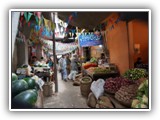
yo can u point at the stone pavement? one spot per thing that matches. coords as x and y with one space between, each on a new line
68 96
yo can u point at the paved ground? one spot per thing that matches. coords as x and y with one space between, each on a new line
68 96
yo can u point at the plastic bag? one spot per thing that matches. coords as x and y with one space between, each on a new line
97 87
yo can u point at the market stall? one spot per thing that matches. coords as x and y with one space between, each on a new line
27 92
101 82
127 91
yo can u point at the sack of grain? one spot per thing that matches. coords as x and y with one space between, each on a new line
91 101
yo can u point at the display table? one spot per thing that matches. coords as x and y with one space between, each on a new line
103 76
97 76
103 71
43 72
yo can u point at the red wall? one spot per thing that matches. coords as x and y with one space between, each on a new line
138 35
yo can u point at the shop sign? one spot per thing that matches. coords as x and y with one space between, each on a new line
90 40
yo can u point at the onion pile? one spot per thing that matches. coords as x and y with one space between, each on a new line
126 94
112 85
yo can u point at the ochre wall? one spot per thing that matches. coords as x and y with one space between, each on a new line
139 35
117 43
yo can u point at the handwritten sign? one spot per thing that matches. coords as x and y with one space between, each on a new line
90 40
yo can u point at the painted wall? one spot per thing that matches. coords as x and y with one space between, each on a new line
117 43
22 53
138 34
14 23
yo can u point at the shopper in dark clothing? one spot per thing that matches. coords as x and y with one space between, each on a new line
138 63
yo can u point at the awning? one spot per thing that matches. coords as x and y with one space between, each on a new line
86 20
89 20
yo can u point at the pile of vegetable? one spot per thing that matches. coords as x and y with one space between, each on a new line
24 92
112 85
135 74
126 94
93 60
86 80
100 70
141 100
89 64
14 77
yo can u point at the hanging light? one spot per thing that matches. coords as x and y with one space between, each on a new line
100 46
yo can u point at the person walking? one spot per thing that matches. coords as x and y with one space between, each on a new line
74 68
68 62
64 68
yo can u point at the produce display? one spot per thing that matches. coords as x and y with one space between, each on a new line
135 74
112 85
25 99
18 86
86 80
14 77
141 100
126 94
93 60
24 91
100 70
89 64
31 82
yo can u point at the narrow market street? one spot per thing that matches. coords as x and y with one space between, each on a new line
80 60
68 96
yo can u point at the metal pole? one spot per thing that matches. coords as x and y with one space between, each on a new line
54 54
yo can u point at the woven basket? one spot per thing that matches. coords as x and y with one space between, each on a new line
47 89
85 86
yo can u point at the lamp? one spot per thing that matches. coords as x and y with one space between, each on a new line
137 48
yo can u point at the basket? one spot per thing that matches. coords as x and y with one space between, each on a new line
47 89
85 84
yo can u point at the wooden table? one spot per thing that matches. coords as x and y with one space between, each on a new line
103 76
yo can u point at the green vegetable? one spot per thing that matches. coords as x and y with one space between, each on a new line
86 80
142 96
139 93
134 103
25 99
145 99
135 74
93 60
141 105
14 77
31 82
143 88
18 86
101 71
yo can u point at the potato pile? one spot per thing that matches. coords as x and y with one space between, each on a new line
126 94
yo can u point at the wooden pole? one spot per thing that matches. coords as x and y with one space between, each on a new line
54 54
